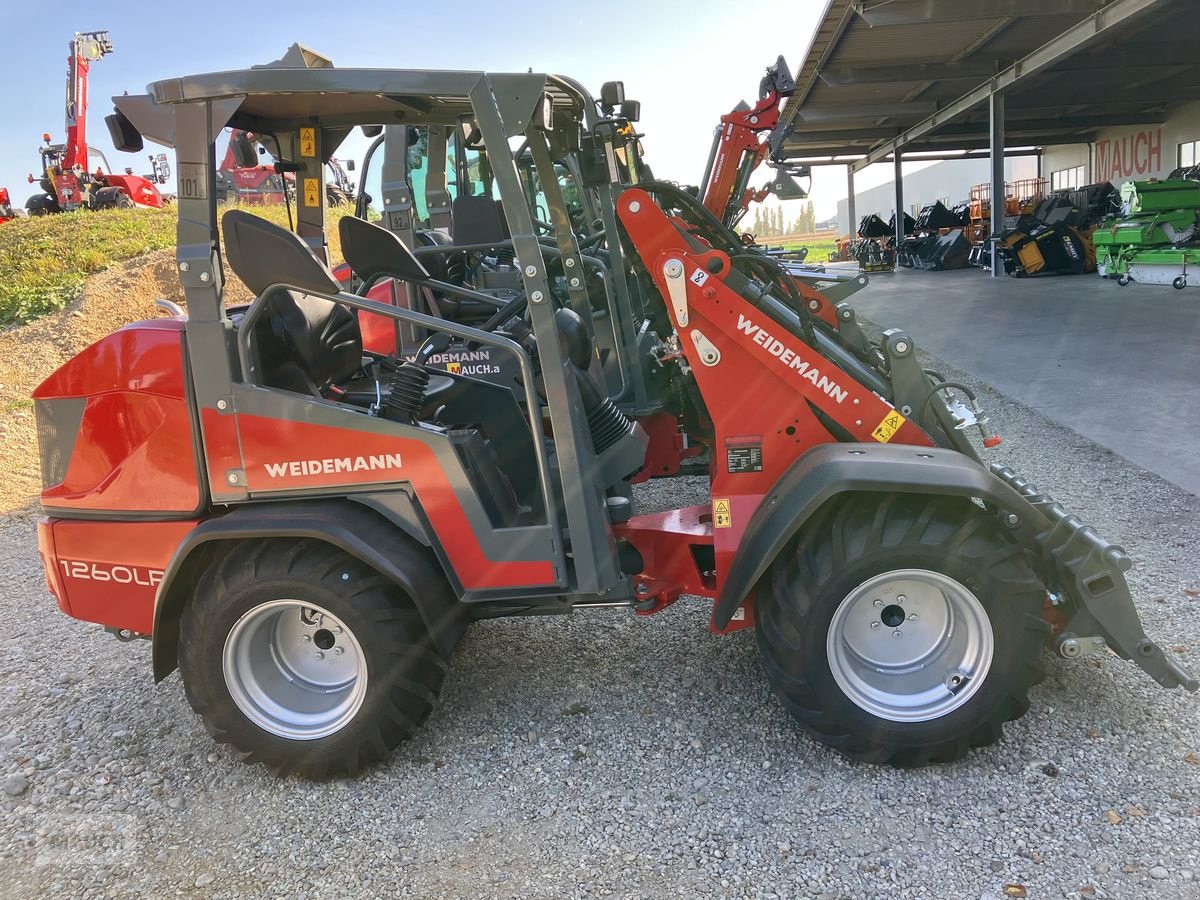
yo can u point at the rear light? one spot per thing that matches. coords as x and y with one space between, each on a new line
57 427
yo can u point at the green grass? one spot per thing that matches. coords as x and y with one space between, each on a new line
818 251
44 260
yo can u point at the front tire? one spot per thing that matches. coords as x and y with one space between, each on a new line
306 659
902 629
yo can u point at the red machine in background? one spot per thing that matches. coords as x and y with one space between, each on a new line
252 185
738 150
262 185
68 180
6 210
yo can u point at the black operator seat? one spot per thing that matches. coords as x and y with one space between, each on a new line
303 342
373 252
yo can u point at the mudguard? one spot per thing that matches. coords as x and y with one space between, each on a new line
827 470
1087 568
359 531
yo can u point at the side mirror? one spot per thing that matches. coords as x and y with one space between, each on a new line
612 94
244 153
124 136
349 165
631 110
372 131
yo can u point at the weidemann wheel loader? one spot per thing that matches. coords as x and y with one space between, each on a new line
305 528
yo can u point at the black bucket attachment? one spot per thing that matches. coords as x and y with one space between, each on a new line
1090 573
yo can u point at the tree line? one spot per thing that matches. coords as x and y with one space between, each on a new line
770 221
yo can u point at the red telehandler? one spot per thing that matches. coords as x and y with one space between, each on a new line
254 185
743 142
68 180
265 185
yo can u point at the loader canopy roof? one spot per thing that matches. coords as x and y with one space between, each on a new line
279 99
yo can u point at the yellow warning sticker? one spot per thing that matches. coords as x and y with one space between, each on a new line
722 514
308 142
888 427
312 191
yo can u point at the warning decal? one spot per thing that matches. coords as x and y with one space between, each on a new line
312 192
308 142
889 426
722 516
699 277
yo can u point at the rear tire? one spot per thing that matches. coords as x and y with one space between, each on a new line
305 659
41 205
829 608
112 198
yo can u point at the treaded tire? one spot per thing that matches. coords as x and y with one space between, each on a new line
853 540
404 671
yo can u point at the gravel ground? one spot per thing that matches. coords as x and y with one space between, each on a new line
608 755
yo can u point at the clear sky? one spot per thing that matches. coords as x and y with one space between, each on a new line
688 61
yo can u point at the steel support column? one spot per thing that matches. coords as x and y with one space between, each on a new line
853 219
899 176
996 148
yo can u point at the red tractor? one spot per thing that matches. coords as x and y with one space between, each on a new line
68 179
305 527
7 213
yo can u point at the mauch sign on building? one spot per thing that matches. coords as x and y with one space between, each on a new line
1119 159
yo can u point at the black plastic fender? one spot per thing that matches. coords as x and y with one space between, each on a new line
359 531
825 471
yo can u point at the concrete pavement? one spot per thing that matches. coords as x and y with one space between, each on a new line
1121 366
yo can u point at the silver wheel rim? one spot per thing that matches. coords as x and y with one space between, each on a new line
294 670
910 645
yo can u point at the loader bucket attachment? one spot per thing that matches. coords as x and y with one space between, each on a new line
1092 573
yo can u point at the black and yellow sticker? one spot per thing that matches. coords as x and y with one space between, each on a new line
888 427
312 192
308 142
722 513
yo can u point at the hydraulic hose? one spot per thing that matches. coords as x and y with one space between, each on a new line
722 238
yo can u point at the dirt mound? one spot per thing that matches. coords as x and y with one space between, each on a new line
122 294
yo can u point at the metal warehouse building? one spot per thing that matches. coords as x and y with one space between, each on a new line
1074 91
1098 88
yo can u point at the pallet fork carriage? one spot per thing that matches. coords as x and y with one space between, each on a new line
306 526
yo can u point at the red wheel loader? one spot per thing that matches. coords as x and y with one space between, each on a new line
305 528
68 179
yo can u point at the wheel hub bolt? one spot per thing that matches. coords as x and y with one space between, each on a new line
879 603
320 655
900 598
337 651
875 624
306 638
912 617
897 635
